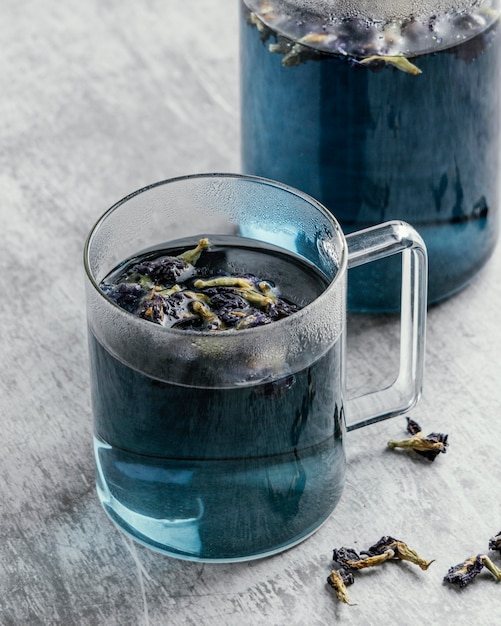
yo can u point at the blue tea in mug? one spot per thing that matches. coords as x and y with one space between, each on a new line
193 471
217 361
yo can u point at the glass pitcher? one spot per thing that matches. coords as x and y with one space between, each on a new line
381 110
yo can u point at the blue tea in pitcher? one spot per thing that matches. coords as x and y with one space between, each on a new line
380 117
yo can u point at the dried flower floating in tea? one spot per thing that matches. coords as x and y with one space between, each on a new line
305 49
464 573
429 446
172 292
400 62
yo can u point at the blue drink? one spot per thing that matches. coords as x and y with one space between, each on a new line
374 143
217 361
213 473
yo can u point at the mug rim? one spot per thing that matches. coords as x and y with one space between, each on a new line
342 267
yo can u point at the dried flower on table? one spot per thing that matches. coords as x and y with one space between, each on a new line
495 542
464 573
339 580
429 446
347 557
400 549
385 549
413 428
493 569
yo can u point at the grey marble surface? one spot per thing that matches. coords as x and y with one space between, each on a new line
97 99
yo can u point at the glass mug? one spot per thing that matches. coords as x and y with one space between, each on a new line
229 445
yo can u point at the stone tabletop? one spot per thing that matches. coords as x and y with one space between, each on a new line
97 99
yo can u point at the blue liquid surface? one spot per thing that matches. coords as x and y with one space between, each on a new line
219 474
374 143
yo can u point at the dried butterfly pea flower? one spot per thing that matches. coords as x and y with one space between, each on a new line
464 573
152 308
169 307
255 298
242 286
166 290
400 550
495 542
413 428
346 557
400 62
224 299
126 295
281 309
255 318
429 446
385 549
493 569
349 558
224 281
435 443
136 278
339 580
190 257
252 19
267 289
167 270
210 320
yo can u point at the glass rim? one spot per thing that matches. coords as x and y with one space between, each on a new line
342 267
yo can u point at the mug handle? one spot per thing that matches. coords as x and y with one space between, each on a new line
375 243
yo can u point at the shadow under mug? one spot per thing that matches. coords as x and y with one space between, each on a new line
229 445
